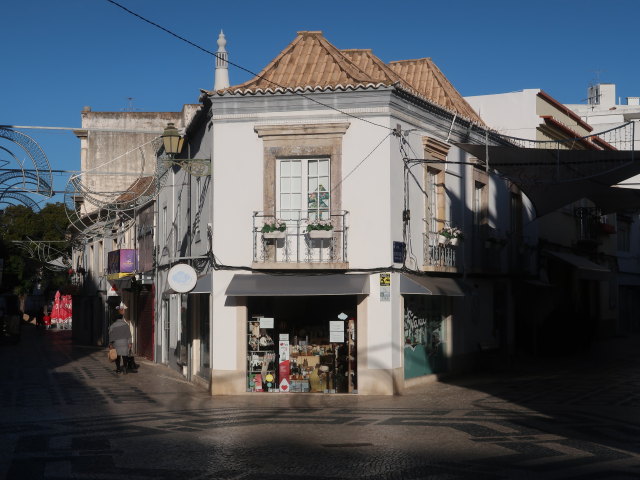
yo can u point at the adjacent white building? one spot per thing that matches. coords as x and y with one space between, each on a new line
604 110
586 243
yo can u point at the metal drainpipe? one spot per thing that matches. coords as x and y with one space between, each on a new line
160 338
210 246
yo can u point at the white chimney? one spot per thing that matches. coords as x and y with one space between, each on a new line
221 77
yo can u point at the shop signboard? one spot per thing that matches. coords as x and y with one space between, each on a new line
122 262
182 278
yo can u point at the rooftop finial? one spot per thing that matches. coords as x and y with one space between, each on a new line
222 41
221 77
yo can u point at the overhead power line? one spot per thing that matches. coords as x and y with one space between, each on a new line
74 129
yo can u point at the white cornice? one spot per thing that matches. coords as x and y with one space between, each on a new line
329 115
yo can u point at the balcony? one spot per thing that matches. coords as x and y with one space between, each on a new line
588 228
296 248
440 256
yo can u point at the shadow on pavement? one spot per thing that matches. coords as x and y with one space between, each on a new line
67 415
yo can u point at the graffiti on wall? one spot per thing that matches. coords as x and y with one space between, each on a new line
421 328
424 337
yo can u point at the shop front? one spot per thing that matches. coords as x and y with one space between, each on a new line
301 332
427 306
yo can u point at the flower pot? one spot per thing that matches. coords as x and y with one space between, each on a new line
454 242
276 234
320 234
442 240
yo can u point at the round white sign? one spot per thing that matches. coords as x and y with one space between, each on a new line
182 278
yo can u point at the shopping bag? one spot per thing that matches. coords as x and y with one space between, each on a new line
112 354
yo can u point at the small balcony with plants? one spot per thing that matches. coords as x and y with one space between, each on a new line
292 240
442 245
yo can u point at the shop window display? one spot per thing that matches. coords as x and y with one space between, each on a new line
291 355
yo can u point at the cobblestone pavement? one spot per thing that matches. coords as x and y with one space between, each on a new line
66 414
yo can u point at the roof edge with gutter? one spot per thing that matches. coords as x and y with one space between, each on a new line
567 111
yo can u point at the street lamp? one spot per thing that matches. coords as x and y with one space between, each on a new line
172 140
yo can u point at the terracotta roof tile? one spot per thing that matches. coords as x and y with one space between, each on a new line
375 68
310 62
427 79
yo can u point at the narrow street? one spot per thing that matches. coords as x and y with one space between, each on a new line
66 414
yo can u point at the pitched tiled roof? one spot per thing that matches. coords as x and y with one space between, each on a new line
375 68
425 77
310 62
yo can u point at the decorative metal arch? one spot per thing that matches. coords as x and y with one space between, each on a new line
47 253
43 178
104 213
11 197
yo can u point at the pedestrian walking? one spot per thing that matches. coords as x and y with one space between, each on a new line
132 366
120 338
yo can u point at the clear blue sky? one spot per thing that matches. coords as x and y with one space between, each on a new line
61 55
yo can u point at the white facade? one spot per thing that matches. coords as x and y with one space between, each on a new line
372 189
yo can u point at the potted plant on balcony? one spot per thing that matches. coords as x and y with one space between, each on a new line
450 236
275 229
456 236
320 229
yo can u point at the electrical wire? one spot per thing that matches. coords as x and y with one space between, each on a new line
361 162
241 67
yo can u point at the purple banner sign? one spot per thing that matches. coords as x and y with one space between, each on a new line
122 261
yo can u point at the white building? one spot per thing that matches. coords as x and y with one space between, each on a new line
581 251
336 139
604 110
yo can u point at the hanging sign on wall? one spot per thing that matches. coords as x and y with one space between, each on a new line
182 278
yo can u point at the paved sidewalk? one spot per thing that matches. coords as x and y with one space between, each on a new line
66 414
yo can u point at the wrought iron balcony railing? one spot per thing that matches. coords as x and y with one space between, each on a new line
294 244
439 252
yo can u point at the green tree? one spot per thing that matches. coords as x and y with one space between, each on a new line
19 223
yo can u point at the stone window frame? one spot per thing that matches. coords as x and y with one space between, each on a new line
434 149
322 140
480 220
